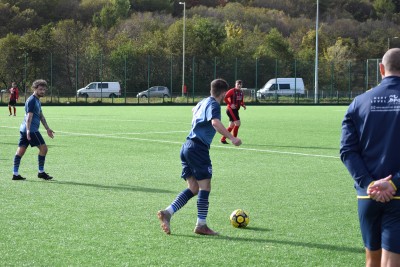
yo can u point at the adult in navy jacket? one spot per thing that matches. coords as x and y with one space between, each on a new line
370 149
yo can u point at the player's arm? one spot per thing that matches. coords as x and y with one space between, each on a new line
28 125
219 127
228 97
50 132
16 94
351 156
242 102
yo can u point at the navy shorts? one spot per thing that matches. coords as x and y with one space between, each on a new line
36 139
196 160
233 114
380 224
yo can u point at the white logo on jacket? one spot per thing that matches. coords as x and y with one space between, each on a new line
394 99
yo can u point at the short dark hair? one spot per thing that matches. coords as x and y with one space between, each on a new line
218 87
239 81
38 83
391 60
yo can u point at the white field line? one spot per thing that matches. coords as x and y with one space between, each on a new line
113 136
115 120
169 132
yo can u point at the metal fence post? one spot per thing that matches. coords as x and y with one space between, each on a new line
125 72
215 68
148 77
349 64
236 67
51 77
25 72
171 71
193 77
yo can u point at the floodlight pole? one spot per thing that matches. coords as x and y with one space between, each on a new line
183 47
316 56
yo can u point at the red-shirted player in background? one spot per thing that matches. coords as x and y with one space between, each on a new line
234 99
13 98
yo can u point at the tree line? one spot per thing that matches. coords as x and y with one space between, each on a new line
78 41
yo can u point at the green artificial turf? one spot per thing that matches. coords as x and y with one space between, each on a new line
114 167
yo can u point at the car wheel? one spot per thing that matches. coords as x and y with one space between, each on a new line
85 95
112 96
166 96
144 96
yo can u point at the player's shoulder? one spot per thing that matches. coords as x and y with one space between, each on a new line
32 99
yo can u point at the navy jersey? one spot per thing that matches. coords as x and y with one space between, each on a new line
370 140
34 106
202 129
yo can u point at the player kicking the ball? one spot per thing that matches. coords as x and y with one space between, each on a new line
195 157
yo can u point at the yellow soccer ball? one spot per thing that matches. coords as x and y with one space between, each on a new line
239 218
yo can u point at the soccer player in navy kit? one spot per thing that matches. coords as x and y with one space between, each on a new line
195 157
29 131
370 149
234 99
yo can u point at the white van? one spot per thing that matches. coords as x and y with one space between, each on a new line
282 86
100 89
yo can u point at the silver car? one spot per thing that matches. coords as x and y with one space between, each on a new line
155 91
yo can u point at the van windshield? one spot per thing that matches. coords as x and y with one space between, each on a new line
272 87
91 86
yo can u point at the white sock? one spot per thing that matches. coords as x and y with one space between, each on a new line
201 222
170 210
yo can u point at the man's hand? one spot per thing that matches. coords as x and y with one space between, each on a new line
50 133
382 190
236 141
233 106
28 135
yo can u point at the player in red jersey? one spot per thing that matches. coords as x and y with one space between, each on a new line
13 98
234 99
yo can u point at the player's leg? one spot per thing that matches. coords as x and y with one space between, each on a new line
15 111
390 259
37 140
23 144
183 197
373 258
17 160
370 216
42 157
236 128
391 234
230 127
202 208
9 109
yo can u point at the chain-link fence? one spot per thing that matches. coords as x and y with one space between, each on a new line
338 82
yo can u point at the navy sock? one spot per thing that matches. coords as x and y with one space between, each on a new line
202 205
182 199
41 160
17 161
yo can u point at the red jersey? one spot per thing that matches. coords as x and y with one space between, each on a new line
234 96
13 93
